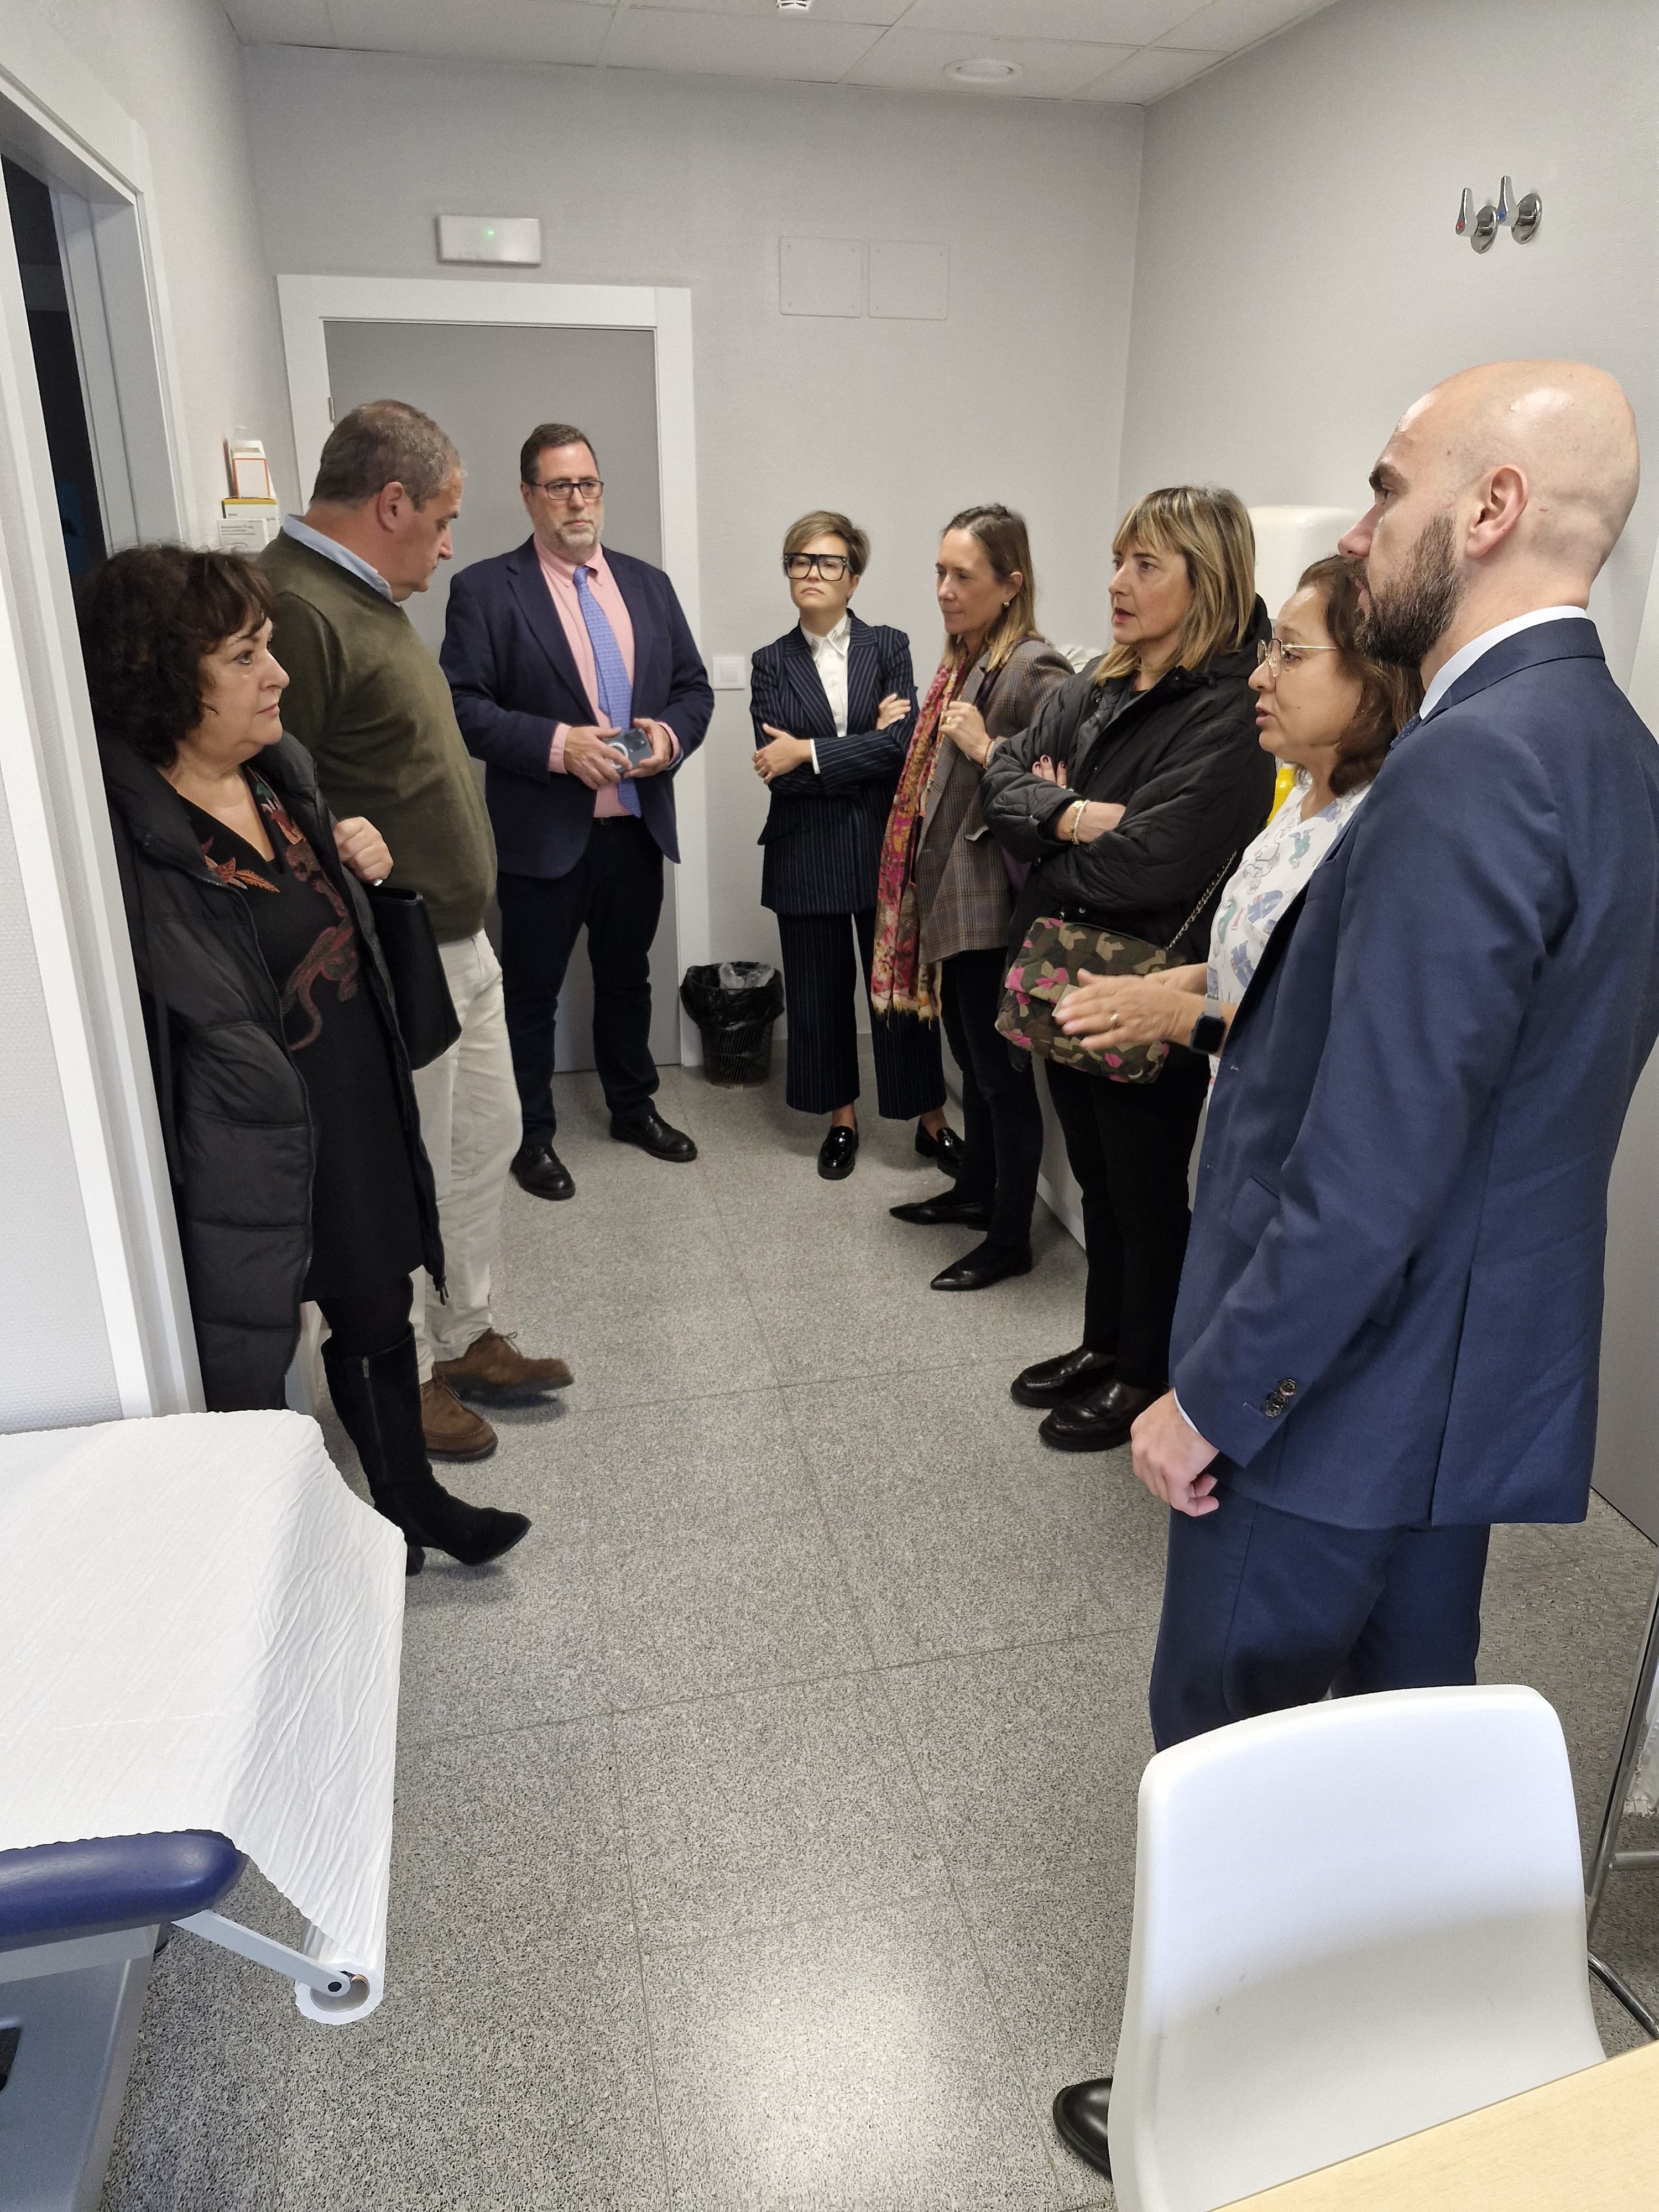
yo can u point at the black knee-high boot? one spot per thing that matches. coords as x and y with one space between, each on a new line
378 1400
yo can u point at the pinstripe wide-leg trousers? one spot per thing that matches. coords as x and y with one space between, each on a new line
820 982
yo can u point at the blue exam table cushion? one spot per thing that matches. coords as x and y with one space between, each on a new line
52 1892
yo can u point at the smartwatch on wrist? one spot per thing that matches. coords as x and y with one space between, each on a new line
1209 1031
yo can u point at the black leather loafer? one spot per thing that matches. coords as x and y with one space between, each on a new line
946 1148
946 1210
838 1154
986 1264
1051 1382
1080 2121
654 1135
1100 1420
539 1169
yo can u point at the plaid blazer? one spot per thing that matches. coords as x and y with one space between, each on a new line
963 892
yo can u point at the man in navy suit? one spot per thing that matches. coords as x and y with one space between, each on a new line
1390 1313
553 651
1389 1319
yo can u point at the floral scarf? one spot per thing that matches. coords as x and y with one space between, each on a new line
899 983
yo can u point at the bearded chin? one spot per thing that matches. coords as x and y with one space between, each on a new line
1407 620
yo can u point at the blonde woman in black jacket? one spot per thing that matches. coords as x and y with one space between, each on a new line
1132 794
292 1137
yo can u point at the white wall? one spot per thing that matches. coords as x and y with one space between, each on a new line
1297 279
174 65
639 178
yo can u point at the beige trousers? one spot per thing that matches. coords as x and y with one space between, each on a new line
470 1126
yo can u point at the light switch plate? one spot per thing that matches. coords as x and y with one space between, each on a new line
731 671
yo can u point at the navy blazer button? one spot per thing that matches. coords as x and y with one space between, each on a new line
1287 1388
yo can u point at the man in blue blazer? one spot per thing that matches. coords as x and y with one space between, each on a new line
1389 1318
554 652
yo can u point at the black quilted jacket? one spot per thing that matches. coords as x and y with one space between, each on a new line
1184 760
233 1108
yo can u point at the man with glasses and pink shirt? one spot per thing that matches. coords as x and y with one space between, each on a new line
576 682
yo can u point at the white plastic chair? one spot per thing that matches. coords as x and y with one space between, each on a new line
1352 1920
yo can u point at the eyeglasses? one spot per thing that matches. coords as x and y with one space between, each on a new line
562 489
1276 655
832 567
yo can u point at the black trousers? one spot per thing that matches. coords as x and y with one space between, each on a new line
821 982
1129 1145
1264 1609
369 1321
615 890
1001 1118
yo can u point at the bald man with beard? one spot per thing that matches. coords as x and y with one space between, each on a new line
1389 1330
1389 1321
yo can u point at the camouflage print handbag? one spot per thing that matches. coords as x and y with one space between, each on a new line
1047 967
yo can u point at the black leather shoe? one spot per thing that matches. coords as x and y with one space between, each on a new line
947 1148
1080 2121
1051 1382
838 1154
1098 1421
654 1135
986 1264
947 1210
539 1169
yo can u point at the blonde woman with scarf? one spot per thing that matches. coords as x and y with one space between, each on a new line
944 895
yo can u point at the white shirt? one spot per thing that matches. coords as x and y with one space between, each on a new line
332 549
1275 865
829 658
1464 658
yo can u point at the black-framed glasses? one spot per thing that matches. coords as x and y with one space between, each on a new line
564 488
832 567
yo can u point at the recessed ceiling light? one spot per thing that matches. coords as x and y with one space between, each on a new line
793 7
984 72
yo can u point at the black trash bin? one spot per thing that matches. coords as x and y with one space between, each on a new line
734 1004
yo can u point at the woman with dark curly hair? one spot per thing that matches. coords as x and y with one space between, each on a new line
292 1137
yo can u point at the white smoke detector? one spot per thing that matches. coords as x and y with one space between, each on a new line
982 72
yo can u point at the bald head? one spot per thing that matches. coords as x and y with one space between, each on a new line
1566 427
1503 490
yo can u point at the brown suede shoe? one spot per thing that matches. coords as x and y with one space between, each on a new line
494 1369
452 1430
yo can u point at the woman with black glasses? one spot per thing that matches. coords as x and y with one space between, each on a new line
833 703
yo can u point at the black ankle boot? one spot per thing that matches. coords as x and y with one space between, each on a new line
378 1400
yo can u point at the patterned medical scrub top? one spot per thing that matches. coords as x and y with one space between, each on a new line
1274 867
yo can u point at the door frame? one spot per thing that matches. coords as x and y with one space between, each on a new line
58 119
309 303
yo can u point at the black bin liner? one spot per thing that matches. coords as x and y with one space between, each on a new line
734 1004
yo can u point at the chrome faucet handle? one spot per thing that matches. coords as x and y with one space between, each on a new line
1505 200
1466 214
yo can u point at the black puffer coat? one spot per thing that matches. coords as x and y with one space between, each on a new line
1182 758
233 1107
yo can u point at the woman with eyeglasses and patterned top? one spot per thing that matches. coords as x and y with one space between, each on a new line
947 892
833 702
1330 714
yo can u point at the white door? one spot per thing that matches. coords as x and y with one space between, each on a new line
489 385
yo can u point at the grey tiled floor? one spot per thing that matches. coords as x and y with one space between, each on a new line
765 1823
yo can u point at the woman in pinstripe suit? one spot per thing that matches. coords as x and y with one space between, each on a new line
833 702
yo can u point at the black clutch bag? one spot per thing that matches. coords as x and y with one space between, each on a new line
426 1013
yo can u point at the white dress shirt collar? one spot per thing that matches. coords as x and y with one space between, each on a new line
1462 660
332 549
835 641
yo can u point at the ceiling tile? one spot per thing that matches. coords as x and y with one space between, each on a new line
281 22
1226 25
699 40
1149 75
915 61
1104 22
878 12
486 30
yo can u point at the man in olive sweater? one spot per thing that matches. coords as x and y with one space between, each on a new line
371 704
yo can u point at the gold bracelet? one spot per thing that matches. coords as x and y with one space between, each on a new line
1075 811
